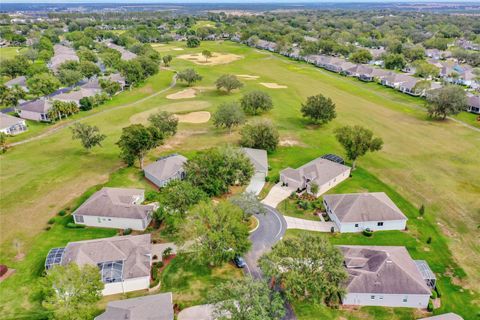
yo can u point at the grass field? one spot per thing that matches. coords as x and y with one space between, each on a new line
434 163
8 52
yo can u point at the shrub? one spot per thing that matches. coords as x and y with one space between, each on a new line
73 225
51 221
3 269
429 240
155 257
151 195
267 178
367 232
434 295
437 291
47 228
421 211
332 229
61 213
430 306
167 252
127 231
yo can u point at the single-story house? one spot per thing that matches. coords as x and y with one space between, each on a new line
165 170
124 262
445 316
385 276
76 95
408 87
361 71
118 208
61 55
36 110
117 77
153 307
394 80
355 212
20 82
259 160
12 125
473 105
324 173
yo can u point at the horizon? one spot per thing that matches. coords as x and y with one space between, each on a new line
229 1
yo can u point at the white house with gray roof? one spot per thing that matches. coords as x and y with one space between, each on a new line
12 125
383 276
166 169
324 173
153 307
123 262
356 212
36 110
118 208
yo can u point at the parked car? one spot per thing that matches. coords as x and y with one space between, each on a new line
239 262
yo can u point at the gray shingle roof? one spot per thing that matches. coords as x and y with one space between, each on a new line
134 251
319 170
258 157
39 106
115 202
154 307
76 95
383 270
6 121
19 81
474 101
166 167
361 207
445 316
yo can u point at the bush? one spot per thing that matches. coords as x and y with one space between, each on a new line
167 252
332 230
73 225
421 211
3 269
429 240
367 232
267 178
61 213
437 291
434 294
155 257
430 306
51 221
47 228
127 231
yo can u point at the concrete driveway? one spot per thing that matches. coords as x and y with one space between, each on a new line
277 194
310 225
201 312
256 183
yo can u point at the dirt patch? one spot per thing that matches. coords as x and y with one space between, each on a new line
247 76
179 138
217 58
146 89
8 274
273 85
194 117
177 107
184 94
289 142
178 49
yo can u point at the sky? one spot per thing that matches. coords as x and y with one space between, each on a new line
227 1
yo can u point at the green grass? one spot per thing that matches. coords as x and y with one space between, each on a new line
8 52
468 118
289 207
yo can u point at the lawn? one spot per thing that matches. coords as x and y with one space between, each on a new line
8 52
425 161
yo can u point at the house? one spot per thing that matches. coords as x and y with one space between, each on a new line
12 125
409 87
117 77
165 170
76 95
324 173
36 110
124 262
20 82
355 212
438 54
154 307
394 80
385 276
361 71
473 104
61 55
445 316
119 208
259 160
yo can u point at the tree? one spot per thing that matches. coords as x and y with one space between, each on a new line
193 42
167 59
71 292
89 69
136 140
394 61
165 122
256 102
319 109
42 84
357 141
246 299
14 67
249 204
215 170
110 87
10 97
62 109
361 56
90 136
446 101
228 115
228 82
260 134
31 54
207 54
425 70
132 71
69 77
3 142
309 268
217 232
190 76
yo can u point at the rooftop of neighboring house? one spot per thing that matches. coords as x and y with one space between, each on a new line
116 77
126 55
445 316
153 307
7 121
474 101
361 69
76 95
394 77
258 157
382 270
319 170
18 81
166 167
359 207
93 84
116 202
39 106
119 258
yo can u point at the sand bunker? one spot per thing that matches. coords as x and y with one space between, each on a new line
247 77
217 58
184 94
178 49
179 107
194 117
273 85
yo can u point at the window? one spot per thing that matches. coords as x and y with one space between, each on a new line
380 224
78 219
381 297
356 225
405 299
372 297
